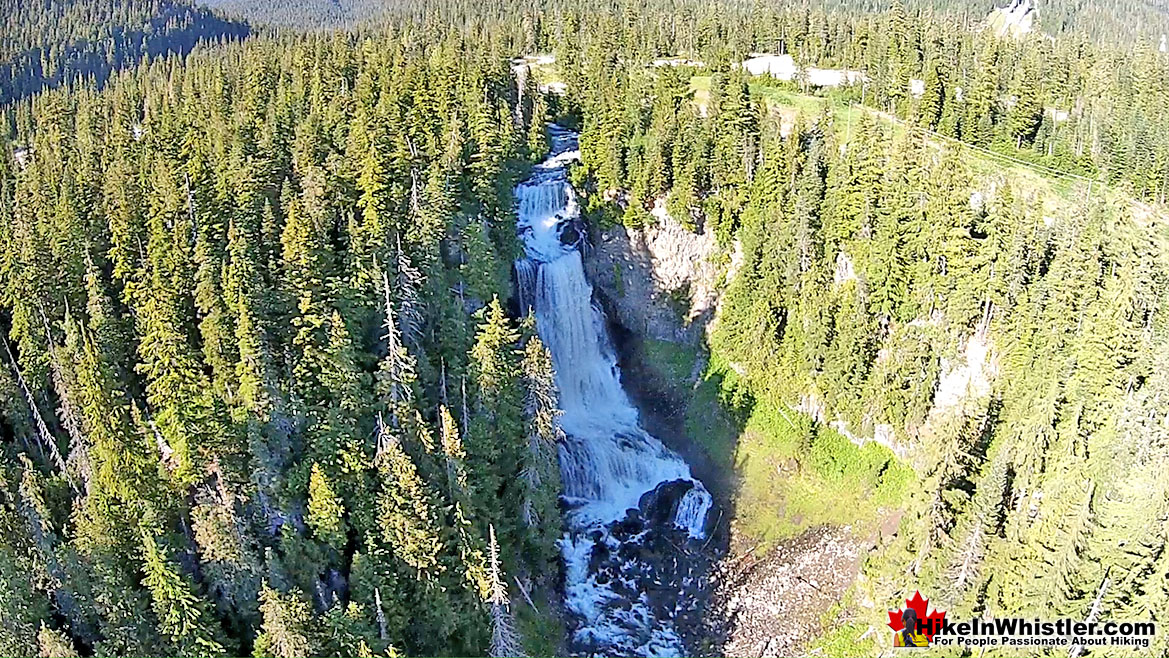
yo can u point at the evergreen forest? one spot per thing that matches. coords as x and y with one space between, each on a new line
266 387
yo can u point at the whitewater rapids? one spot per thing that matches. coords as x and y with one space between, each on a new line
607 461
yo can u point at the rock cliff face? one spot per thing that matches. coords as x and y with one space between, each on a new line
665 282
966 377
1015 19
662 281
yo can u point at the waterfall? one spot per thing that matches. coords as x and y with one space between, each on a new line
608 462
525 271
692 510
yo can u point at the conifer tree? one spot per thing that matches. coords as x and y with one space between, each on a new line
396 374
288 630
505 640
537 139
182 616
326 512
25 609
541 471
455 454
929 107
406 511
228 550
54 644
493 441
978 530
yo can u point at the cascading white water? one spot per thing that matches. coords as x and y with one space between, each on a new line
692 510
608 462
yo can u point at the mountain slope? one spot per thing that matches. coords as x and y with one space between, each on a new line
50 43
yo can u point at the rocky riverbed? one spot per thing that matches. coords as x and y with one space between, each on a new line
774 603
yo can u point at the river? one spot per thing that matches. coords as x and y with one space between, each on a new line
623 489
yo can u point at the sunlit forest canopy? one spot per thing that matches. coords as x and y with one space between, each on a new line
266 387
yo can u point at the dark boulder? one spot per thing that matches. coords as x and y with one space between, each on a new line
569 234
660 506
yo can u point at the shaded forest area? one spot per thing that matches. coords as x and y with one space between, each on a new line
47 43
1115 23
304 14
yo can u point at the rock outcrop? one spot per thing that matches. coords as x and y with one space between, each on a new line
773 604
661 281
1015 19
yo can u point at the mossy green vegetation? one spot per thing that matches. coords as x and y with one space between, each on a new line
789 473
794 474
847 640
713 421
542 627
673 360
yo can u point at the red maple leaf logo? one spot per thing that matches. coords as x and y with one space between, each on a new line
930 623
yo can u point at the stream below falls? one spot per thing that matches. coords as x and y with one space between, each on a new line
633 512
